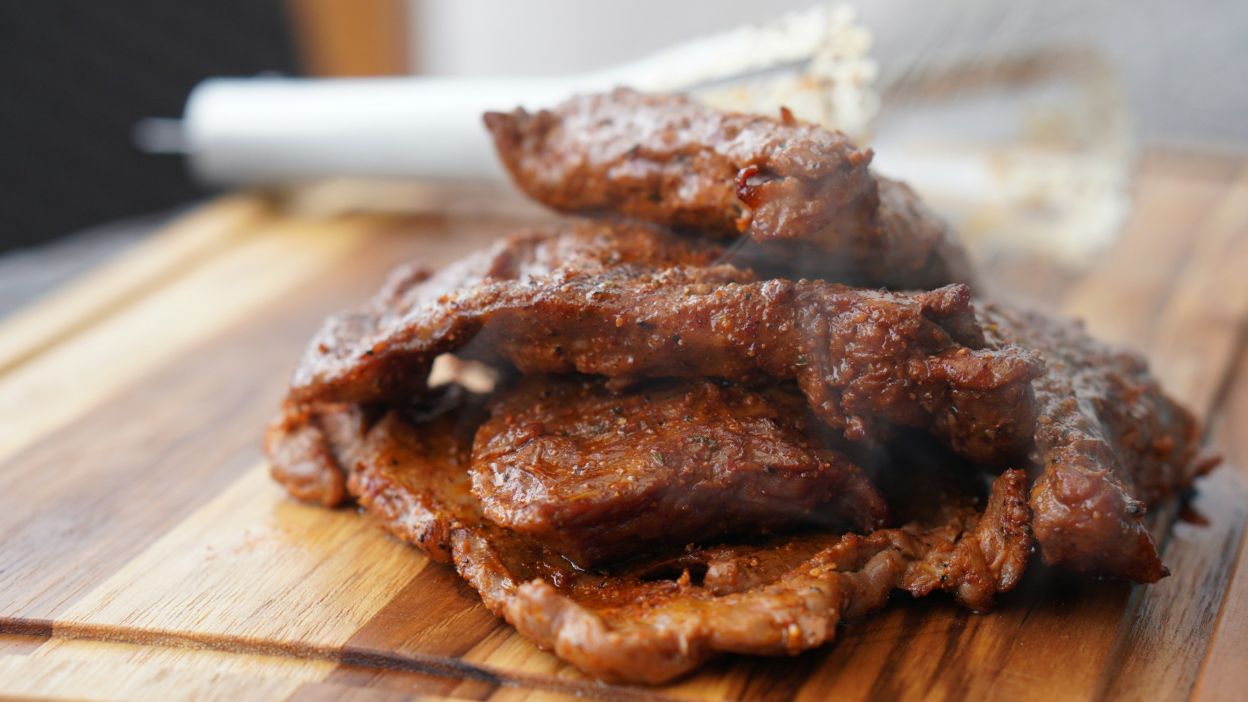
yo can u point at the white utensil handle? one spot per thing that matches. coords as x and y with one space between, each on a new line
275 130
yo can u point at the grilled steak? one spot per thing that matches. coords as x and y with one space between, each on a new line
311 450
601 475
668 160
652 630
636 624
1108 443
865 359
669 465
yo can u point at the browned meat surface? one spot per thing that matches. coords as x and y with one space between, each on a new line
310 451
673 461
413 472
974 556
309 445
648 624
668 160
1108 442
600 475
865 359
576 245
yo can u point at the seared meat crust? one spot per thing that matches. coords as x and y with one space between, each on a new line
668 467
636 625
1108 443
413 471
668 160
653 630
310 451
599 475
866 360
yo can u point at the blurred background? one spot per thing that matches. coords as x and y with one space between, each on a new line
1092 83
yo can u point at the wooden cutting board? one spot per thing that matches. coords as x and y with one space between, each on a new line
144 553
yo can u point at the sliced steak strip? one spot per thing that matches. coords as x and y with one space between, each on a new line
865 359
311 451
633 626
413 471
653 630
601 475
1108 443
668 160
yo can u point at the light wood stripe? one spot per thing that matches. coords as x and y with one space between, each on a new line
66 380
135 464
254 566
185 244
115 671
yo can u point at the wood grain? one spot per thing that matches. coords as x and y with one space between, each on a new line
154 263
64 380
143 550
70 669
1222 670
199 576
1196 332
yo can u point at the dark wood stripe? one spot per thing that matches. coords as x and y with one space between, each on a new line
1167 640
1170 625
436 614
900 656
350 659
1222 670
409 682
26 627
774 679
21 636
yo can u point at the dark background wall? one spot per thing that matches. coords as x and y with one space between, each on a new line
75 76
